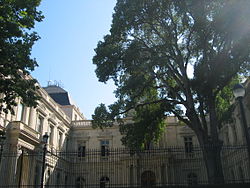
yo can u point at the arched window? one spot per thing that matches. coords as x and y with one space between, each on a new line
232 175
131 173
65 181
37 176
148 179
241 174
192 179
104 181
80 182
163 174
58 178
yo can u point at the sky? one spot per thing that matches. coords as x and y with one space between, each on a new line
69 34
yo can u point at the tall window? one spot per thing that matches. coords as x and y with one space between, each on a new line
58 178
81 150
131 173
60 135
192 179
65 181
39 123
188 142
241 174
104 148
232 175
20 113
226 136
67 144
51 134
234 134
37 176
80 182
163 174
103 181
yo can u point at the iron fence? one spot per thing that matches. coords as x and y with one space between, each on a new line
120 167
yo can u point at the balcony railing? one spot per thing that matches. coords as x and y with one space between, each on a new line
82 123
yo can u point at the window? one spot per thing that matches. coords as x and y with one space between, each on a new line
241 174
81 151
104 181
192 179
20 112
37 176
232 175
51 134
67 144
80 181
188 142
163 174
60 135
66 181
148 179
226 136
39 123
234 134
58 178
104 148
131 175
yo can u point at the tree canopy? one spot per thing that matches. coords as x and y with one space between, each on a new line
17 19
188 52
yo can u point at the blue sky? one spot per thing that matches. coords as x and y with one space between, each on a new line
69 34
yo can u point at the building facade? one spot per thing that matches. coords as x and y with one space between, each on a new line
79 156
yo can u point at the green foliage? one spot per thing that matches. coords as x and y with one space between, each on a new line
224 105
153 45
101 117
147 127
17 19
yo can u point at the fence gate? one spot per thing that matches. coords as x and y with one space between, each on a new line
117 168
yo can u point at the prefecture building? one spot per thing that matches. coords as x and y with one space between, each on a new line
80 156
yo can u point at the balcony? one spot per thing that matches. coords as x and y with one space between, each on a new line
24 130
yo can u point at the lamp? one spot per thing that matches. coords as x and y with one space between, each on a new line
44 141
45 138
238 91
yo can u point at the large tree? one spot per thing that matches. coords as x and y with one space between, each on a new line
188 51
17 19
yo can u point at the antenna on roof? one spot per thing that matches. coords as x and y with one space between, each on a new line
55 83
60 84
50 83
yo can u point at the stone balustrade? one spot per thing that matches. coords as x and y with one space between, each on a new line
82 123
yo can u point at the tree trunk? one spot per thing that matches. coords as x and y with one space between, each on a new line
213 163
211 147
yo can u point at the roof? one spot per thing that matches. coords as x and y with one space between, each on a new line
59 95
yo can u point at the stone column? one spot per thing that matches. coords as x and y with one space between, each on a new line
32 118
24 169
26 114
9 159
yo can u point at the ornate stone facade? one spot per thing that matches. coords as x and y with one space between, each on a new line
70 132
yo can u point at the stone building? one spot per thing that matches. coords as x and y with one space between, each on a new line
234 136
80 156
